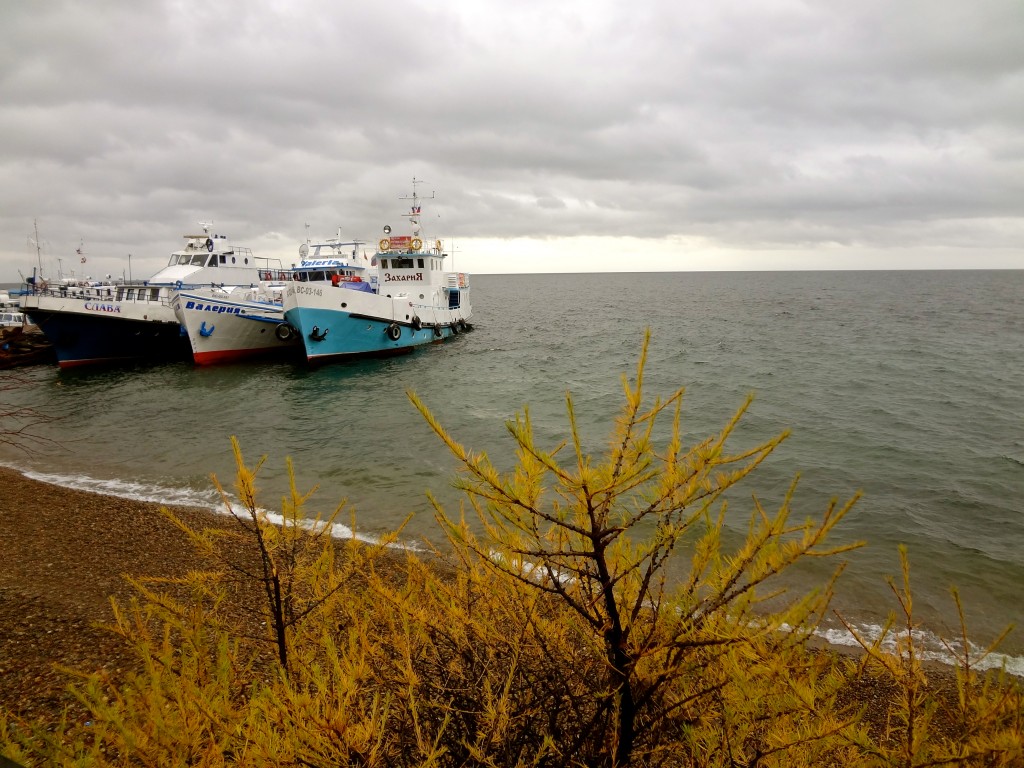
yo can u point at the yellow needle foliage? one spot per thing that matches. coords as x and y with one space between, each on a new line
584 610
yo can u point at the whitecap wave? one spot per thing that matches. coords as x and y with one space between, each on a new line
929 647
172 496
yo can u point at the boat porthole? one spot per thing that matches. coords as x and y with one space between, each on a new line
344 304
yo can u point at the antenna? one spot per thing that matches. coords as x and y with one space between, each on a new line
415 194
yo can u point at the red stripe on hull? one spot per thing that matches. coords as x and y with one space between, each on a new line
235 355
94 361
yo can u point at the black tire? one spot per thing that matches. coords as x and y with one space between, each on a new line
283 331
394 332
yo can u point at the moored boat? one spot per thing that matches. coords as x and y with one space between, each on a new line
229 324
24 345
232 323
406 299
90 322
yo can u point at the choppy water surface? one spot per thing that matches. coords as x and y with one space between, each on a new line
904 385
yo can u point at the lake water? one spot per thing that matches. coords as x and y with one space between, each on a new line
903 385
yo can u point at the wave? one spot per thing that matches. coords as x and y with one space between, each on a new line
928 647
176 496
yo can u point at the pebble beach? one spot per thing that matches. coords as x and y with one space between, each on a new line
57 580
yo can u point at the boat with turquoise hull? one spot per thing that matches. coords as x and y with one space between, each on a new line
403 299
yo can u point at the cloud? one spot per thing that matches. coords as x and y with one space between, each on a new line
783 127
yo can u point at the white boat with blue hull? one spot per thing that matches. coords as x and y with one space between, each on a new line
227 324
403 300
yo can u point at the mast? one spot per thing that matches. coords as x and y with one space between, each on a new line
414 215
39 257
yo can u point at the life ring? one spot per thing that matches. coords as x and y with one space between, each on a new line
416 324
437 245
283 332
394 332
209 244
416 243
384 244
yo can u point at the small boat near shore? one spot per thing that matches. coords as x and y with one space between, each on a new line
92 322
404 298
24 345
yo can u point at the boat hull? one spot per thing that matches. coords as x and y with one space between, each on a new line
225 330
329 335
81 339
353 320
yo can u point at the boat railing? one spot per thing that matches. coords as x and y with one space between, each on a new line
118 293
264 263
70 291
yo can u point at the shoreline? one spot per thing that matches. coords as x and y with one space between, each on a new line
65 553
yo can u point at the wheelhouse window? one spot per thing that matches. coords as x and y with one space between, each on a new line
419 263
402 264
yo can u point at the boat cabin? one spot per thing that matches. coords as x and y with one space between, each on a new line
409 271
210 251
11 319
324 262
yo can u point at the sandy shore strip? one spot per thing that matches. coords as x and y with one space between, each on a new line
63 554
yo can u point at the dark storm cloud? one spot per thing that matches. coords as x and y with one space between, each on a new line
779 125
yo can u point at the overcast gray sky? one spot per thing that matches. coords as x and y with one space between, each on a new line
557 135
